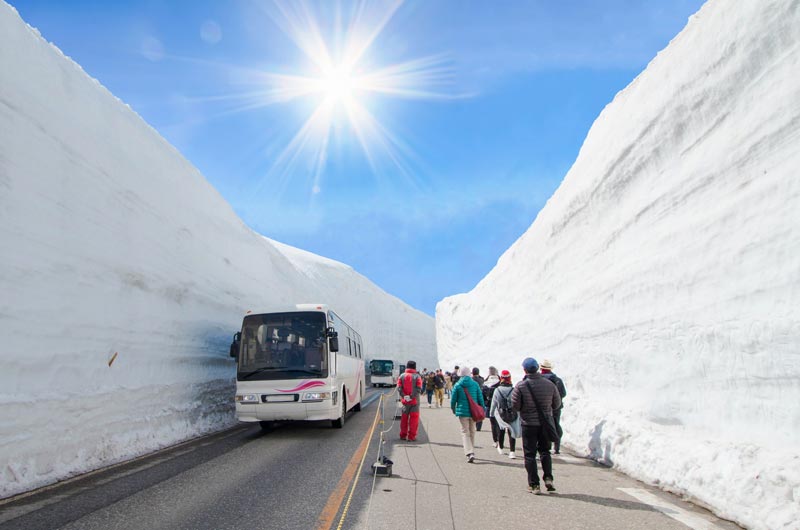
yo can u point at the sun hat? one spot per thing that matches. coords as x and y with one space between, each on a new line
547 364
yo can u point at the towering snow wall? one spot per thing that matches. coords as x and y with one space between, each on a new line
112 243
663 276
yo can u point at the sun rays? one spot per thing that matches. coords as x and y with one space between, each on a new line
345 88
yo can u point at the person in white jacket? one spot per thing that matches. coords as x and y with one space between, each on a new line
507 419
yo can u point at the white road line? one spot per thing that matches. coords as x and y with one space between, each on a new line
679 514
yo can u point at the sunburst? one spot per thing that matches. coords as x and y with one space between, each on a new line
341 82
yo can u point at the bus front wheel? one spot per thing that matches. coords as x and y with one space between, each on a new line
339 423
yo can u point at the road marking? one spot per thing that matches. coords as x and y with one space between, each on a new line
328 514
679 514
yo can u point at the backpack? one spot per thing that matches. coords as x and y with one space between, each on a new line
488 392
507 414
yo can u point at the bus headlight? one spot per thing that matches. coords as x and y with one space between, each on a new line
316 396
246 398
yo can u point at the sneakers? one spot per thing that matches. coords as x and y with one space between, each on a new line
548 483
535 489
470 458
512 455
402 437
494 444
499 450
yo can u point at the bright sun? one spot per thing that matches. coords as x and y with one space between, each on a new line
338 84
342 81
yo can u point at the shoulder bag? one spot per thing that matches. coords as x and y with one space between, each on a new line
477 412
546 421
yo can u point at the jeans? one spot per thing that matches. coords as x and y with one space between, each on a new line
467 434
430 395
533 439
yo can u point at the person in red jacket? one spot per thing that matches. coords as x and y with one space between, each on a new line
409 386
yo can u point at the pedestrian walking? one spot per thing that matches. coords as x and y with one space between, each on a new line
438 387
459 404
409 386
448 384
547 372
476 376
489 386
429 387
531 395
455 375
503 414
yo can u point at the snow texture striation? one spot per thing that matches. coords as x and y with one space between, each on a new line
116 248
663 276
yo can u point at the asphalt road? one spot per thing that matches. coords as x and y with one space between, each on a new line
240 478
300 476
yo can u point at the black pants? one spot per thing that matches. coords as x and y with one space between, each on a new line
512 442
495 429
557 420
534 439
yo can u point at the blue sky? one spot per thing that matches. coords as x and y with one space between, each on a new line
510 91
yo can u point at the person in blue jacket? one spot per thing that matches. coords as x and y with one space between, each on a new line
460 407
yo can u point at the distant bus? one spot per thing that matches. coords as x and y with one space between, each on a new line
304 363
384 372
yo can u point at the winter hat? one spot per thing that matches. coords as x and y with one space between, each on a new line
547 365
464 371
505 376
530 365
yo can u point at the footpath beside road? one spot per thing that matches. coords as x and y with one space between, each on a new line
433 487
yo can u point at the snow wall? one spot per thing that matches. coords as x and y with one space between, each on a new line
663 276
114 244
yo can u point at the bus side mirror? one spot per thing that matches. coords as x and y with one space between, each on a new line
333 337
237 337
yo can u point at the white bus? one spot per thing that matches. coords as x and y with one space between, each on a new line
384 372
305 363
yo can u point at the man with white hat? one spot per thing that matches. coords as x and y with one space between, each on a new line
547 373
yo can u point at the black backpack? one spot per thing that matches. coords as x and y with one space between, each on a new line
507 414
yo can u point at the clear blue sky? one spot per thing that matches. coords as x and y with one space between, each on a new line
497 118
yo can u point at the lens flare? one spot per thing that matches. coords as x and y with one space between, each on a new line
340 79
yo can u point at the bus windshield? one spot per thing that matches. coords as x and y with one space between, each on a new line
283 346
381 367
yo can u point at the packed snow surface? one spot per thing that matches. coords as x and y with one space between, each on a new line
663 276
116 248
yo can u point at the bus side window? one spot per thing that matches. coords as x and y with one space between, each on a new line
349 347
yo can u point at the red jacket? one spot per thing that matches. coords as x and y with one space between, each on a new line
408 385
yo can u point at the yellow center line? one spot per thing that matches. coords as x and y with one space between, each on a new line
328 514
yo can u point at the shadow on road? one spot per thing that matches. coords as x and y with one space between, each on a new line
605 501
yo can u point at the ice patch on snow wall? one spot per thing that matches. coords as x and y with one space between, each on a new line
114 246
663 276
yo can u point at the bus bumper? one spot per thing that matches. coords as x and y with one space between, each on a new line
323 410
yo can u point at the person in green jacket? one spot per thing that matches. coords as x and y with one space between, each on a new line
460 407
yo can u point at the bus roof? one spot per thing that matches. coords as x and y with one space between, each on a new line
322 308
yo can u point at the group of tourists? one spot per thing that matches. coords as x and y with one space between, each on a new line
529 410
